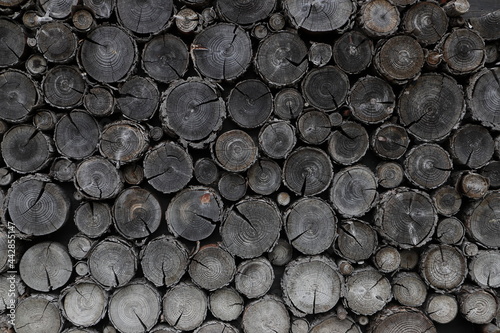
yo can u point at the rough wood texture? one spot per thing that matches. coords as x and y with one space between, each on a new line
356 241
76 135
353 52
482 97
426 21
266 312
349 143
185 306
379 18
254 277
325 88
38 312
442 308
250 103
400 318
226 304
443 267
212 267
428 166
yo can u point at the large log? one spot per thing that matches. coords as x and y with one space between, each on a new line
123 141
185 306
372 100
357 240
14 43
138 98
212 267
57 42
144 17
277 139
254 277
76 135
226 304
64 86
18 96
250 103
38 312
426 21
96 178
353 52
325 88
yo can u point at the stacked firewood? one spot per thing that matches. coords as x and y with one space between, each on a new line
249 166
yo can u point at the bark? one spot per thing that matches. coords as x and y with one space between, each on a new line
64 87
226 304
232 186
266 312
243 12
254 277
481 92
99 101
441 308
314 127
77 134
372 100
348 144
426 21
450 230
288 104
144 18
379 18
389 174
250 103
277 139
93 219
409 289
18 96
353 52
185 306
138 98
38 313
56 42
325 88
447 200
264 177
13 45
96 179
357 240
319 16
235 150
212 267
428 166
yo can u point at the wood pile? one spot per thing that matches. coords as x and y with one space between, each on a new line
249 166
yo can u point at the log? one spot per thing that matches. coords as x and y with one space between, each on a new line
281 59
283 199
307 171
426 21
406 217
387 259
443 267
288 103
123 141
251 227
102 9
254 277
277 139
277 22
479 306
354 191
36 206
138 98
164 260
463 51
82 269
46 266
14 43
250 103
56 42
64 86
490 53
357 240
108 54
36 65
83 303
226 304
390 141
372 100
409 289
481 97
456 8
367 291
155 133
378 18
59 9
193 111
79 246
187 20
469 249
483 269
487 25
112 262
441 308
320 54
319 16
310 225
264 313
389 174
314 127
206 171
133 174
77 134
144 18
311 285
431 106
325 88
10 283
135 307
194 213
6 178
491 171
447 200
212 267
232 186
82 19
353 52
450 230
38 313
45 120
18 96
472 145
96 178
349 143
281 253
299 325
99 101
165 58
401 318
235 150
222 51
264 176
428 166
168 167
208 14
243 12
333 323
92 218
185 306
473 185
409 259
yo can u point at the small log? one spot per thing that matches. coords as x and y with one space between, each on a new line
479 306
250 103
266 312
441 308
155 133
473 185
82 269
281 253
139 298
387 259
426 21
168 167
222 51
333 323
187 20
260 31
463 51
349 143
243 12
357 240
378 18
281 59
325 88
311 285
18 96
409 259
64 86
99 101
112 262
226 304
288 103
283 198
46 266
82 19
320 54
108 54
310 225
277 22
92 218
14 43
432 59
143 18
447 200
450 230
36 206
251 227
101 8
133 174
36 65
345 268
165 58
214 326
480 98
314 127
235 150
491 171
353 52
431 106
299 325
83 303
367 291
56 41
123 141
194 213
483 269
372 100
45 120
409 289
138 98
212 267
254 277
264 176
488 26
232 186
6 178
397 318
307 171
77 134
164 260
443 267
96 178
472 145
208 14
390 141
79 246
277 139
319 16
389 174
354 191
206 171
428 166
455 8
185 306
38 313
